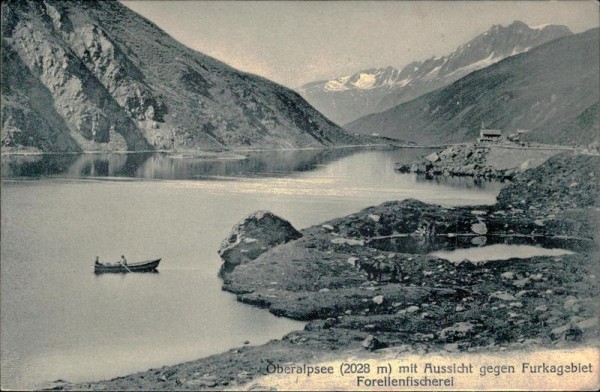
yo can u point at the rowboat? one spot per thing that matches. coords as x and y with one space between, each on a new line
143 266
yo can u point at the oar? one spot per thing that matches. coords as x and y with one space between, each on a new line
127 268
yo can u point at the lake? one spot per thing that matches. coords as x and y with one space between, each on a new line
61 321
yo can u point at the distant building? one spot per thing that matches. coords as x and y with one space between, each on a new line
489 135
514 137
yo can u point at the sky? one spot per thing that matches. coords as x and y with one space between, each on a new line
296 42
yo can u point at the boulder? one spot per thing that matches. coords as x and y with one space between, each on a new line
570 303
541 309
254 235
402 168
347 241
521 282
479 228
525 165
371 343
205 381
434 157
375 218
503 296
479 240
457 331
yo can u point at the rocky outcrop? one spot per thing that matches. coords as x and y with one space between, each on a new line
372 273
28 122
546 193
564 182
502 161
254 235
111 80
89 111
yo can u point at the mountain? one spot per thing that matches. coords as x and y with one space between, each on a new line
551 91
350 97
94 75
374 90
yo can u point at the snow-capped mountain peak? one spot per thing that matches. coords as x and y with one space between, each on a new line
346 98
338 84
362 80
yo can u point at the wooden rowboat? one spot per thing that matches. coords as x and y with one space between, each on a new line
143 266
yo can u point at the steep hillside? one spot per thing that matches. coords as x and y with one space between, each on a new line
552 91
27 119
94 75
374 90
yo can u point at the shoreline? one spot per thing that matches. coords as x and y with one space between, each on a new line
234 151
501 161
504 305
192 151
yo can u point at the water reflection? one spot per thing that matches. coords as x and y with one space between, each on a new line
36 165
480 255
171 167
102 165
412 244
180 167
462 181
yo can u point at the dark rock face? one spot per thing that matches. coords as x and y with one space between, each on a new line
374 90
36 33
254 235
27 119
83 75
533 91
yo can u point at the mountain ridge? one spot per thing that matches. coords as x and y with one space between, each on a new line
113 80
343 100
550 91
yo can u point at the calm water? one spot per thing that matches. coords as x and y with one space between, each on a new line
59 320
498 252
491 247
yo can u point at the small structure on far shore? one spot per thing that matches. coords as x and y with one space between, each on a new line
516 137
489 135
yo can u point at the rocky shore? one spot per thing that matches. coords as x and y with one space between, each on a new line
367 281
501 161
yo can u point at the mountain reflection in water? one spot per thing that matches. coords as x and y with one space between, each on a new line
165 166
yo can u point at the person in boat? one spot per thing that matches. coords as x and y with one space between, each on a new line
98 261
123 260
